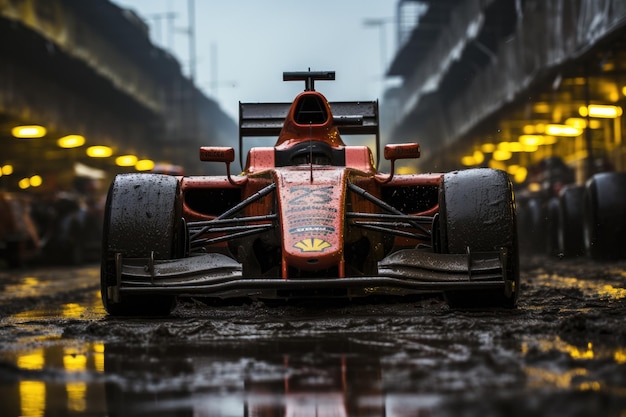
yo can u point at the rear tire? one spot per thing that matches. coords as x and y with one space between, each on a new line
552 222
478 211
142 215
604 215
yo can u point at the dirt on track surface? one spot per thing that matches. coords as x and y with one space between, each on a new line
562 352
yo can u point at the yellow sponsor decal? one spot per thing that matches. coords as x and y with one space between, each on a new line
312 245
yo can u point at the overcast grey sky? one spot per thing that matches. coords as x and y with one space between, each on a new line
243 46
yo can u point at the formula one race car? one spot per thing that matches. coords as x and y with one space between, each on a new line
309 217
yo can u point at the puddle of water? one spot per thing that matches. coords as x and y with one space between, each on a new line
323 376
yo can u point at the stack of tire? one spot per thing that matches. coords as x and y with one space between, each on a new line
588 219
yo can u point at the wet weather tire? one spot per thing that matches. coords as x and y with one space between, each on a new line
605 222
531 222
142 215
477 211
571 238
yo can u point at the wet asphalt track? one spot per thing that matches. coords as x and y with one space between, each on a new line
561 353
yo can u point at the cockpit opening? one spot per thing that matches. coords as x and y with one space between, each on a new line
310 109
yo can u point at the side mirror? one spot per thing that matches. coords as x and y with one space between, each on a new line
221 154
217 154
400 151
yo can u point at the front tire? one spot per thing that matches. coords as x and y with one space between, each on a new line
478 211
142 215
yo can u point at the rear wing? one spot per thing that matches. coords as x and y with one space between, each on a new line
267 119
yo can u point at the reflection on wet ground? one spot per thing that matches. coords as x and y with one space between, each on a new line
563 352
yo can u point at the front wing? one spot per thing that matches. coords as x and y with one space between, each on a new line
405 272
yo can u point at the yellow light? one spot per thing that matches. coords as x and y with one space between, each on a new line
31 361
32 398
7 170
511 169
487 147
126 160
529 129
479 157
29 131
24 183
35 181
99 151
562 130
144 165
76 396
534 187
502 155
541 107
520 175
600 111
510 146
74 360
529 148
467 160
576 122
404 170
493 164
594 124
71 141
531 140
624 90
549 140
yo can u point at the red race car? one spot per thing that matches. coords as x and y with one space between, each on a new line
309 217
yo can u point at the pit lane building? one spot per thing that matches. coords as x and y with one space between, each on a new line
96 96
507 83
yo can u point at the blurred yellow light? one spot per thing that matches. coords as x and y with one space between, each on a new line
520 175
31 361
624 90
541 107
534 187
29 131
600 111
487 147
144 165
530 140
24 183
502 155
467 160
99 151
562 130
126 160
529 129
7 170
576 122
512 168
35 181
530 148
479 157
595 124
403 170
510 146
493 164
549 140
71 141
